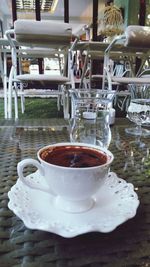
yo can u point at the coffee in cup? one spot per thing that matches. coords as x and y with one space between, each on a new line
73 156
73 173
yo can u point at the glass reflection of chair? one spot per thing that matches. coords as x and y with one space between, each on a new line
102 98
136 153
44 38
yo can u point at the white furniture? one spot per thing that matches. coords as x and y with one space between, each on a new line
136 40
136 44
5 53
41 39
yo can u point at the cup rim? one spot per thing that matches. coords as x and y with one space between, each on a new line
105 150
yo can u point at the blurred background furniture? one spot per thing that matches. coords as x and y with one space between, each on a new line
37 36
136 44
5 56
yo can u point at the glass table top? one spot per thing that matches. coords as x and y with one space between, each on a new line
127 245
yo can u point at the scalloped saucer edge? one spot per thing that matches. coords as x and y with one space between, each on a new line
115 203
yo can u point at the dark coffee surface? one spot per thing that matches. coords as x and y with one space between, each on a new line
73 156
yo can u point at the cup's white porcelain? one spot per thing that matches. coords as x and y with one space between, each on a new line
73 188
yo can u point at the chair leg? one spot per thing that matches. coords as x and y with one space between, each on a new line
83 72
58 102
22 98
5 87
59 98
66 104
5 100
16 103
22 104
10 89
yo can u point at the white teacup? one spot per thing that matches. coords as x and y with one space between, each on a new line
72 186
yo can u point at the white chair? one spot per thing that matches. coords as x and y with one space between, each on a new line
89 51
136 44
41 39
5 53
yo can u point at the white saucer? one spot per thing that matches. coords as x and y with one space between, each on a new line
115 203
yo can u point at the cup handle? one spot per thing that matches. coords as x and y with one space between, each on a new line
26 162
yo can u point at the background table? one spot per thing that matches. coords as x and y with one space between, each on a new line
127 245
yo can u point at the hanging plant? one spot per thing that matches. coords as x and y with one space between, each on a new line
112 16
112 21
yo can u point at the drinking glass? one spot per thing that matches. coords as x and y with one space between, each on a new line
139 113
94 131
90 120
139 110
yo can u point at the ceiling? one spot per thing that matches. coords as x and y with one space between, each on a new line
46 5
80 11
77 8
5 7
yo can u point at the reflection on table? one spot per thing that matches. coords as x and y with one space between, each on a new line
127 245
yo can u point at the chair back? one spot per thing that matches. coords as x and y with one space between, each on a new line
137 36
40 33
